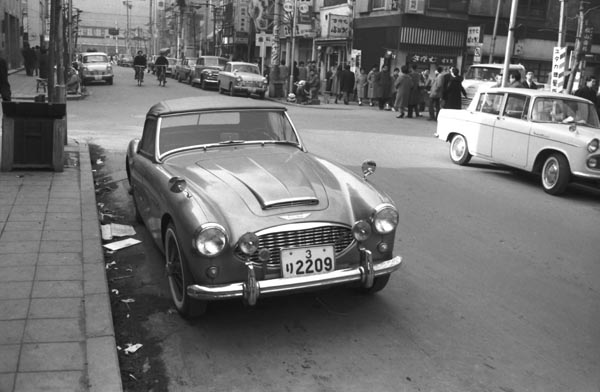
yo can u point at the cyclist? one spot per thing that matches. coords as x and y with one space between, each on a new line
161 64
139 63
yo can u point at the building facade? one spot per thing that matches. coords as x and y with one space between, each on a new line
11 19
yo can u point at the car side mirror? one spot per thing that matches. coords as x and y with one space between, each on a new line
368 167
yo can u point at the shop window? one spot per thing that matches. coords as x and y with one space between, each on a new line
533 8
378 4
449 5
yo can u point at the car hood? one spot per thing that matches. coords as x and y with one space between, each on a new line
270 182
248 76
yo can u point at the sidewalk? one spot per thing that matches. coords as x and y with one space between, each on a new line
56 331
24 87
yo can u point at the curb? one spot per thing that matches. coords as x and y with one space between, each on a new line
103 370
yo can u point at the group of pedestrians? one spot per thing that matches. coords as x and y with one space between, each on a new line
35 61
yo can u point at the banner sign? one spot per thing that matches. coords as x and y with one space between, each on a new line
431 59
559 62
474 36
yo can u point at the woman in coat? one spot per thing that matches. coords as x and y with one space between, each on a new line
362 85
453 90
404 85
385 85
372 78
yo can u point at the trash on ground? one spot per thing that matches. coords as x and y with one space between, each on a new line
131 348
113 263
121 244
112 230
115 291
128 300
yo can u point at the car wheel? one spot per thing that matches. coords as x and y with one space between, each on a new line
556 174
109 81
179 78
261 95
203 84
221 91
231 93
190 80
459 151
379 284
179 277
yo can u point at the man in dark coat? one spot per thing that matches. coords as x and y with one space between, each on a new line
590 90
4 85
529 83
346 83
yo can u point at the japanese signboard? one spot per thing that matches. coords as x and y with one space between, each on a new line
474 35
588 32
339 26
559 62
431 59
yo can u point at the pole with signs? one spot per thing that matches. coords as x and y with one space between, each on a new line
510 41
559 64
293 37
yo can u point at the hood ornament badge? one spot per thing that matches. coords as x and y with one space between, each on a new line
295 216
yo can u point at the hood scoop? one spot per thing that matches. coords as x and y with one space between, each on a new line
272 180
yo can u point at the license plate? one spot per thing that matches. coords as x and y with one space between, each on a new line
307 261
98 77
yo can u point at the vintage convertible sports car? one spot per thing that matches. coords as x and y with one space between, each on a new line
242 210
551 134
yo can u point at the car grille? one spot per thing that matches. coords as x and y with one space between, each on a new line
293 236
252 83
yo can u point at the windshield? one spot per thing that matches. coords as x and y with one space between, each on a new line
215 62
483 73
218 128
248 68
564 110
96 58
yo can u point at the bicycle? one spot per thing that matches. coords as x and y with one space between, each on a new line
139 74
161 74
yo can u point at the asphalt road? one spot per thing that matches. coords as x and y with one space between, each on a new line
500 290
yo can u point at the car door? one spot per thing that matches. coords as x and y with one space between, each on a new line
511 132
141 168
487 110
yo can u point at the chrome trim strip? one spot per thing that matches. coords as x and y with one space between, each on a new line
246 291
299 226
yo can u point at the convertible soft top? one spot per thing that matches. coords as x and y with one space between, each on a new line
195 104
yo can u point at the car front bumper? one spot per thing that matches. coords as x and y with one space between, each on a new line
252 288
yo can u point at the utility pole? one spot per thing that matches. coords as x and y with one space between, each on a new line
510 41
561 24
493 46
150 19
578 52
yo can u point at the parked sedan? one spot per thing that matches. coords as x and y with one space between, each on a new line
551 134
183 70
171 66
238 77
207 70
242 210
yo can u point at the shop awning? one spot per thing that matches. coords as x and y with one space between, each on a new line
433 37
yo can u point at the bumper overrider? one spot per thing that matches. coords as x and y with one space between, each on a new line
252 288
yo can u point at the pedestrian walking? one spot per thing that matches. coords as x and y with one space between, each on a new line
36 60
284 75
362 85
529 83
435 94
346 83
453 90
44 65
403 85
385 87
5 92
425 88
395 75
372 77
335 83
28 58
415 93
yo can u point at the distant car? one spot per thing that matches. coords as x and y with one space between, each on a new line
171 67
95 67
125 60
183 70
242 210
207 70
150 63
551 134
482 76
238 77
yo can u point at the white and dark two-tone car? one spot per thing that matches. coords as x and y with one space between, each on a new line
241 209
242 78
551 134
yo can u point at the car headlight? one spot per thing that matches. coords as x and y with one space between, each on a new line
248 243
593 145
239 79
385 219
210 239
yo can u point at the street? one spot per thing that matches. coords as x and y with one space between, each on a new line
499 291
